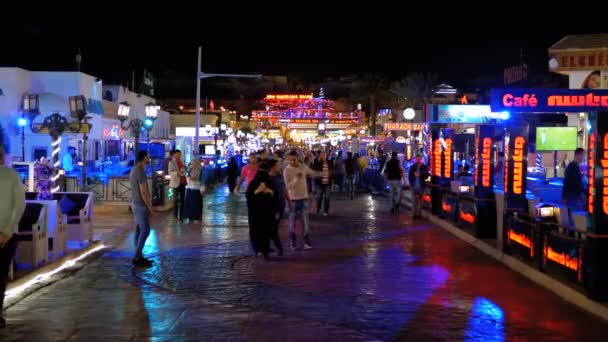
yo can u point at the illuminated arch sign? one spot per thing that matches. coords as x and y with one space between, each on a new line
549 100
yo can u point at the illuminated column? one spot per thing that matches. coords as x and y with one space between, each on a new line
595 258
56 145
425 142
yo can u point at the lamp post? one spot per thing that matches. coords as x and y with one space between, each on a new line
200 75
78 111
137 125
56 125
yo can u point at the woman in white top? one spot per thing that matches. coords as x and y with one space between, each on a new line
193 209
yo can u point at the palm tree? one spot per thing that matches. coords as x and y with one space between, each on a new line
372 91
417 86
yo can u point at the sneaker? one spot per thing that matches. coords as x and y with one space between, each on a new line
307 246
142 262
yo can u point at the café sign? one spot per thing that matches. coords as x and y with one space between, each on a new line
549 100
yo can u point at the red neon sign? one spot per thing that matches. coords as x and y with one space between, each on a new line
562 258
289 97
446 207
518 165
476 158
522 240
426 198
527 100
115 132
402 126
448 158
470 218
589 100
605 175
437 157
591 173
485 162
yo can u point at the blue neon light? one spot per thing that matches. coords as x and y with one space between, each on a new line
22 122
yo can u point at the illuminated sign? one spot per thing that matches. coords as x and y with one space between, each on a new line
464 114
518 165
466 217
521 239
591 173
402 126
289 97
447 153
437 158
579 60
549 100
446 207
485 162
476 158
506 182
563 259
426 198
605 175
114 133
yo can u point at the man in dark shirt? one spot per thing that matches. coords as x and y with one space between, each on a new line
142 206
573 190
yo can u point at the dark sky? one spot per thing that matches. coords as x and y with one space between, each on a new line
456 48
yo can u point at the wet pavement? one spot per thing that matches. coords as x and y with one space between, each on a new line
370 276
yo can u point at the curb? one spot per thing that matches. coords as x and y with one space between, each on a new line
50 267
563 291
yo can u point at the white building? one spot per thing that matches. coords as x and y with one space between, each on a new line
53 90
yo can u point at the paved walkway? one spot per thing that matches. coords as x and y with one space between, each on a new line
370 276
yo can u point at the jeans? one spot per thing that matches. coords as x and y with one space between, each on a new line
6 257
298 207
323 201
574 204
396 192
417 201
142 220
350 185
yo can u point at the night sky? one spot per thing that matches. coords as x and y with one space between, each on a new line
457 52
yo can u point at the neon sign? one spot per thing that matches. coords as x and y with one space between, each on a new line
518 165
402 126
485 162
591 173
476 158
289 97
114 133
447 152
446 207
426 198
470 218
437 158
549 100
522 240
562 258
605 175
506 182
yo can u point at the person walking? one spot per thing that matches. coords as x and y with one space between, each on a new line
295 176
325 169
232 173
177 181
142 206
280 192
340 170
393 172
194 193
350 167
573 189
417 175
260 202
12 198
248 173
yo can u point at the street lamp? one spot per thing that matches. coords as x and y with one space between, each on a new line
55 124
137 125
79 112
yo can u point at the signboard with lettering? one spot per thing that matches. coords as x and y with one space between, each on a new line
402 126
516 167
579 60
289 97
549 100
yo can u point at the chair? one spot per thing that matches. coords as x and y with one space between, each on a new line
56 228
78 218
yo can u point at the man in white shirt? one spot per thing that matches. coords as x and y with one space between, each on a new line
297 190
13 204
